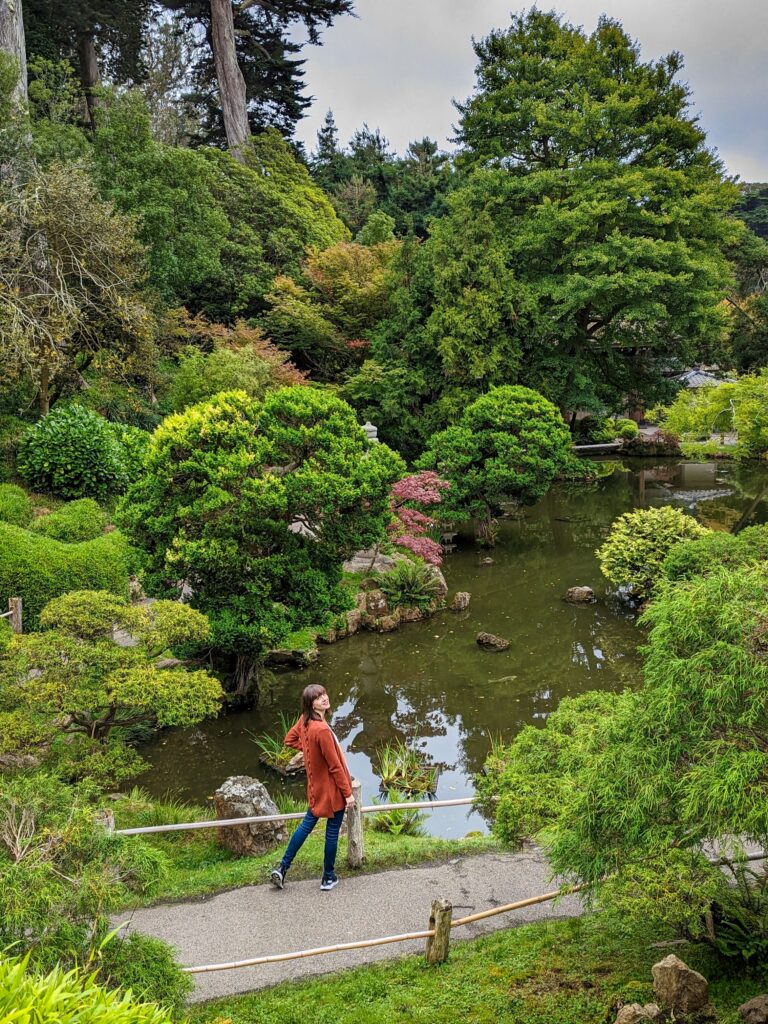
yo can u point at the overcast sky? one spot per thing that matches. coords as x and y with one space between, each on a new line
399 64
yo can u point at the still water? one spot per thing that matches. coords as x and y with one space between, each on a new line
429 683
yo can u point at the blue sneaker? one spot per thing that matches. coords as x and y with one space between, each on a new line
329 882
278 876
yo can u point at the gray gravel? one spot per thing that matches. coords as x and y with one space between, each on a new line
260 920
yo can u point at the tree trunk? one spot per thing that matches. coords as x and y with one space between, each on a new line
44 390
90 79
12 43
230 78
246 676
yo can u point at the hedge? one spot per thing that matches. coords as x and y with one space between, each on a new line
15 506
74 522
37 568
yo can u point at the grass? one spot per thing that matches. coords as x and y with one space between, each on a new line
556 972
271 749
198 866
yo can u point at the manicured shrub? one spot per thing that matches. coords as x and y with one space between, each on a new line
74 453
37 568
634 552
68 998
508 446
135 444
703 556
627 430
15 506
73 523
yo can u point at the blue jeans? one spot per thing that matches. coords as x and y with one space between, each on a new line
308 822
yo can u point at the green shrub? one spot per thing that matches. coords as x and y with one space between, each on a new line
627 430
411 584
595 430
15 506
74 453
634 552
135 444
73 523
37 568
701 557
67 998
148 968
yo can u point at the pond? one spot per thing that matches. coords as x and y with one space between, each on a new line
431 685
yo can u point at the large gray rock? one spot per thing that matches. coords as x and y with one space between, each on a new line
678 988
580 595
755 1011
243 797
460 601
491 642
637 1014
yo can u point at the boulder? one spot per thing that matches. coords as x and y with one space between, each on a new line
580 595
411 614
442 586
460 601
755 1011
637 1014
354 616
491 642
293 656
376 604
369 561
387 623
243 797
678 988
486 561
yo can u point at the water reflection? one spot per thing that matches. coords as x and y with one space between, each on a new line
429 684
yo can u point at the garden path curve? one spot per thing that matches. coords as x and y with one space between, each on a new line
259 920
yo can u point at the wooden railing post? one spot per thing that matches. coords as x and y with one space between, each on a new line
14 607
439 922
355 847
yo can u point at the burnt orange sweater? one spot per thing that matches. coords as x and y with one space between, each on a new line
328 780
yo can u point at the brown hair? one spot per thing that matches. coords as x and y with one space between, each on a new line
310 695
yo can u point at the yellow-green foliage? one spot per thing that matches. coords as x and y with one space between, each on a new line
72 680
15 506
701 418
67 998
37 568
74 522
634 552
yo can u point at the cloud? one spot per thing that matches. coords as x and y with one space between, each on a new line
400 63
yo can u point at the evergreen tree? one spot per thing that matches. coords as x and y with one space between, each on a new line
328 160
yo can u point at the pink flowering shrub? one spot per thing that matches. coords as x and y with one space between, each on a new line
410 525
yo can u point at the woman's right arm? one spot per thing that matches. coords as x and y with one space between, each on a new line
292 737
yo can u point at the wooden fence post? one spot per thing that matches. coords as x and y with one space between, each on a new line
14 607
355 848
439 921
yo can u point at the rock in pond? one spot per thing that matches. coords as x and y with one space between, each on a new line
580 595
678 988
241 796
460 601
491 642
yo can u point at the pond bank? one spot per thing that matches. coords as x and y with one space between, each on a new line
430 685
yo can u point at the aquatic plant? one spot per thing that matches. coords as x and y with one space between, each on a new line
401 767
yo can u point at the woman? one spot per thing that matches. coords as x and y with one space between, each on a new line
329 784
